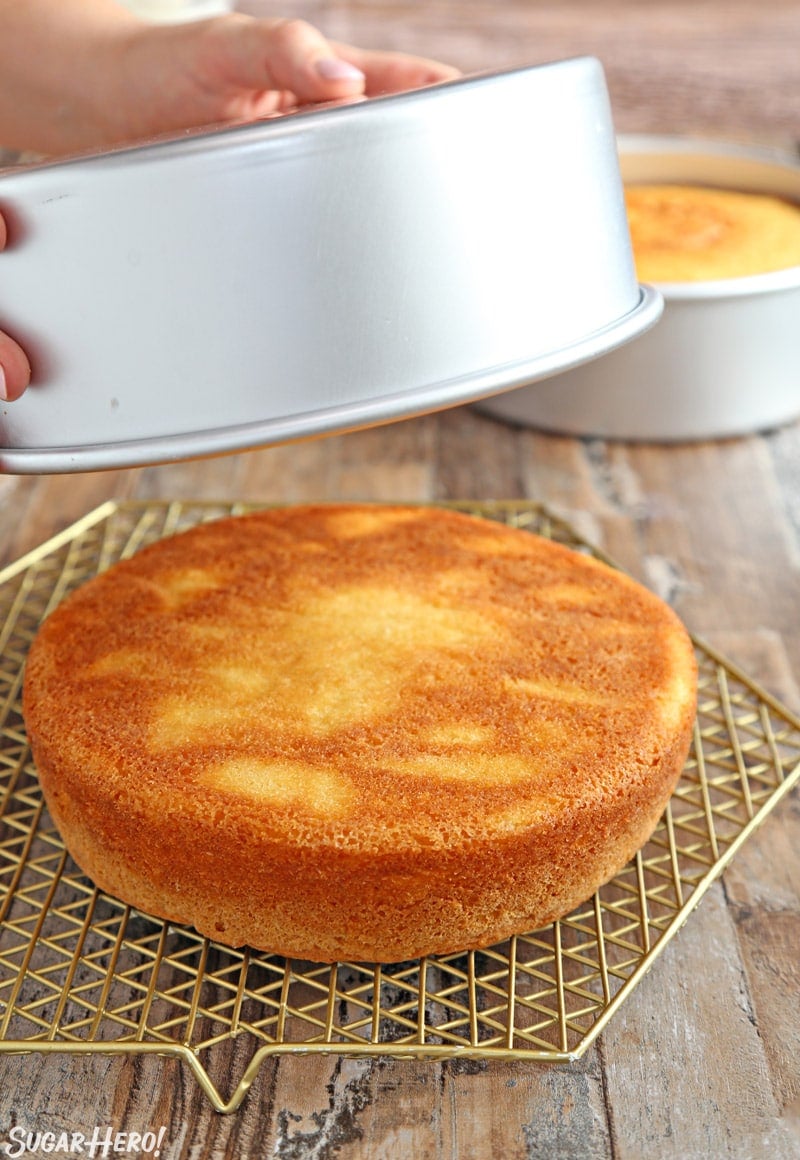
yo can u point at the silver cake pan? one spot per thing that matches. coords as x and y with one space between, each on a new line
317 272
723 361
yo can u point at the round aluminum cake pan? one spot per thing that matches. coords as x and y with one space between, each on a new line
725 358
317 272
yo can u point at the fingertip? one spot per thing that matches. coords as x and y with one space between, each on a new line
15 370
395 72
333 68
439 73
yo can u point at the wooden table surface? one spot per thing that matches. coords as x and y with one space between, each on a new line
706 1070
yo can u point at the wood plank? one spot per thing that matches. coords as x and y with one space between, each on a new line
672 65
685 1072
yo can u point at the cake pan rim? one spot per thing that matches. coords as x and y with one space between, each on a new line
292 121
381 410
685 143
773 282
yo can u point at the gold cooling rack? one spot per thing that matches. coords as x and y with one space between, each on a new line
80 972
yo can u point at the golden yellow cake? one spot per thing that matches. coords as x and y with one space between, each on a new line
689 233
358 732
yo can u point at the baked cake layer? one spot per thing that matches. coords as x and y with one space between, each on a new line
687 233
356 731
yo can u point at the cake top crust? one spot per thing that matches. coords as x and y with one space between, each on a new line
386 676
687 233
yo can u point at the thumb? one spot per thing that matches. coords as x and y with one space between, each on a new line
15 370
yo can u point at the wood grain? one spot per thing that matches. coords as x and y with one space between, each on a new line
703 1059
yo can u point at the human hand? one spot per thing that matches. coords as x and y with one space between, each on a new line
236 68
15 371
101 76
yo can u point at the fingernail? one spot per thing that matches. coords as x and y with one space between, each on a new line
331 68
3 384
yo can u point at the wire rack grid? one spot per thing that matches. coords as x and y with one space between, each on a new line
80 972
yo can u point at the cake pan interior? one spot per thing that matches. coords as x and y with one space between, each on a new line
331 269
